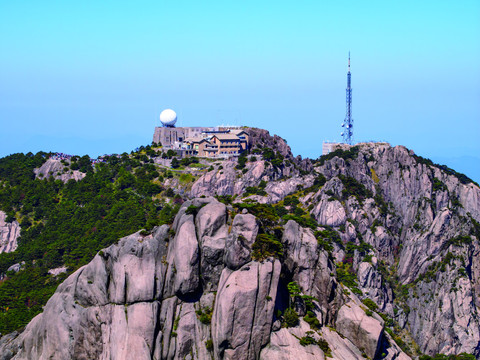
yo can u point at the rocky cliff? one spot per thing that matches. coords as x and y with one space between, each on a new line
9 232
368 252
59 170
194 291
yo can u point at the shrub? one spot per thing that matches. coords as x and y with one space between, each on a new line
209 345
169 193
307 340
175 163
370 304
324 346
266 245
352 153
242 160
347 277
205 315
193 210
312 320
353 187
290 318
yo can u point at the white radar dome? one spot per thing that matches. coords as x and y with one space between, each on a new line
168 117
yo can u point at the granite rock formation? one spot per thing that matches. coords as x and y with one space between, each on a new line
9 232
390 266
187 296
55 168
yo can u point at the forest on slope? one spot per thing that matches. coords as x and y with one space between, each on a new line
373 209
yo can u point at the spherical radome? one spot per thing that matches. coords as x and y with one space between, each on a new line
168 117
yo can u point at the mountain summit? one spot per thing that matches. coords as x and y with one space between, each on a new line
368 252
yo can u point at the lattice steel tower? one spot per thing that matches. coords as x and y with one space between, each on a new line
347 132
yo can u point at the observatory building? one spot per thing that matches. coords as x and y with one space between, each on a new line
220 141
168 118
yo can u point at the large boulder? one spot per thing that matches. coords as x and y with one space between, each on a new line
240 241
243 314
364 331
59 171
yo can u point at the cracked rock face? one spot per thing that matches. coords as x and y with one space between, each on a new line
196 294
9 232
406 232
362 330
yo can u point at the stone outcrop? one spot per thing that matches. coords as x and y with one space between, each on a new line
225 179
189 291
421 225
9 232
55 168
363 331
243 313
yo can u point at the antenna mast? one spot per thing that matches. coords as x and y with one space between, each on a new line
347 133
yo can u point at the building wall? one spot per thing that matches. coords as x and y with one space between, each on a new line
169 135
328 147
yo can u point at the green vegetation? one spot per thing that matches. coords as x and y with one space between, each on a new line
265 213
319 181
260 190
273 157
347 277
311 319
353 188
436 267
209 345
266 245
460 240
290 317
437 185
193 210
351 153
462 356
242 160
370 304
67 224
464 179
326 237
350 248
308 339
205 315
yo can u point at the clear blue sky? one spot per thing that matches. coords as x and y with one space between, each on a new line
91 77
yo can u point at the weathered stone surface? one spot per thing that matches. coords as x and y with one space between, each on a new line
301 256
278 190
151 297
363 331
9 232
284 345
372 284
100 311
328 210
212 232
240 241
243 314
55 168
184 260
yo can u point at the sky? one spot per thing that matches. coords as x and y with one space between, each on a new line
92 77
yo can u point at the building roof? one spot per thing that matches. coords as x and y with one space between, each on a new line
194 140
226 137
238 132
